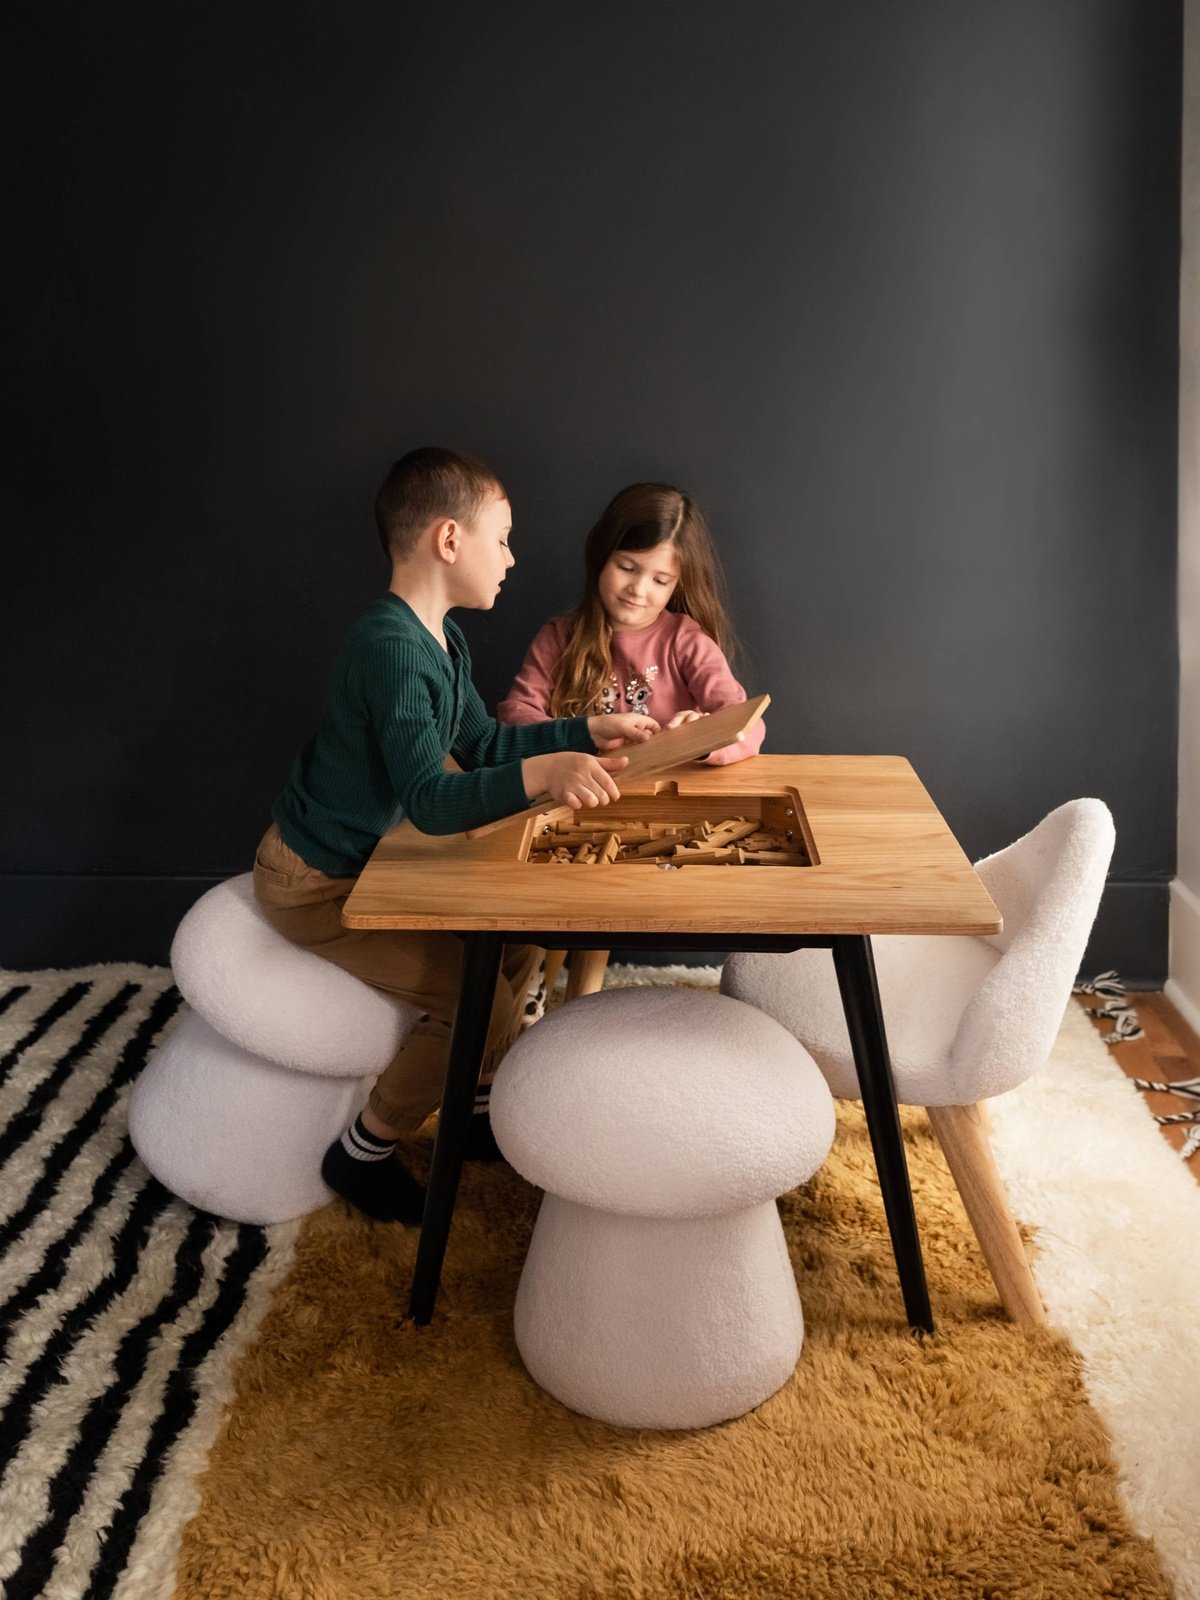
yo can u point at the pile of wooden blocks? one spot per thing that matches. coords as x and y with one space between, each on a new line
734 842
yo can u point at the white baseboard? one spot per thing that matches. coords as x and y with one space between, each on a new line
1189 1012
1183 985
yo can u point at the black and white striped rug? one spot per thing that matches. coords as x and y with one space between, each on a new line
121 1308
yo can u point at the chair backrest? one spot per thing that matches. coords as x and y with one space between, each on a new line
1048 887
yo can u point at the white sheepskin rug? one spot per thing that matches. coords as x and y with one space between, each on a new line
1116 1219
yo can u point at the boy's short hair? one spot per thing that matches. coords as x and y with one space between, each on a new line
425 485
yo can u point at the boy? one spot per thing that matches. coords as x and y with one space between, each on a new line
400 699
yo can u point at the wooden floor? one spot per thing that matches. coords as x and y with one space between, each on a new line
1168 1052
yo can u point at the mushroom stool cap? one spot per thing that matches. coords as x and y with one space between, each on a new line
660 1102
276 1000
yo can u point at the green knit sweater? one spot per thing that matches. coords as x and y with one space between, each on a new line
397 704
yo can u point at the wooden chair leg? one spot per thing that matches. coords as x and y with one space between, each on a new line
962 1136
554 965
586 973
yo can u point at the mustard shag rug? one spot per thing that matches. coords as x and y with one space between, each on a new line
366 1459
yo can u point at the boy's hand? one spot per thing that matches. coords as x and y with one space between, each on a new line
572 778
623 727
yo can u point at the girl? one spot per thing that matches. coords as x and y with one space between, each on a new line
650 633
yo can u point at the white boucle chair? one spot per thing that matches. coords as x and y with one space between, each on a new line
235 1109
662 1124
966 1018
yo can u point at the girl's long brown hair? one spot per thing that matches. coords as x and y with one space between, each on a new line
639 518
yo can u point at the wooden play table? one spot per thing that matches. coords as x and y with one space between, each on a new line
880 859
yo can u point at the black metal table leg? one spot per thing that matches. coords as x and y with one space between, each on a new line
481 965
855 967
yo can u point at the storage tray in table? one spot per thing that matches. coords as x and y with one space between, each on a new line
670 831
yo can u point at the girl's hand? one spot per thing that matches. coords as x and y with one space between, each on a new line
678 720
623 727
571 777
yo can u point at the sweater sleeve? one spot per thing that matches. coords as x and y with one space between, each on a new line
399 695
711 685
528 700
484 742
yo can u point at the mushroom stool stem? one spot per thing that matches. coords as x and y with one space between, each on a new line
658 1322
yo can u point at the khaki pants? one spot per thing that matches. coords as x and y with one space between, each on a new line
420 967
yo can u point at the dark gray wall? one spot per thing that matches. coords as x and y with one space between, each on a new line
890 287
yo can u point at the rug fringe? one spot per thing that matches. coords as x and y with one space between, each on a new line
1111 988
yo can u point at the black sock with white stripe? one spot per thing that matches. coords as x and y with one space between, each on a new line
363 1168
481 1141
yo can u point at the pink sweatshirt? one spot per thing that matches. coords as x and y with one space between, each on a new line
670 666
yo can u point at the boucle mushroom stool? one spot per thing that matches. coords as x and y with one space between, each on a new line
235 1109
662 1124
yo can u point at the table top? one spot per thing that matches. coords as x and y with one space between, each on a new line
883 861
